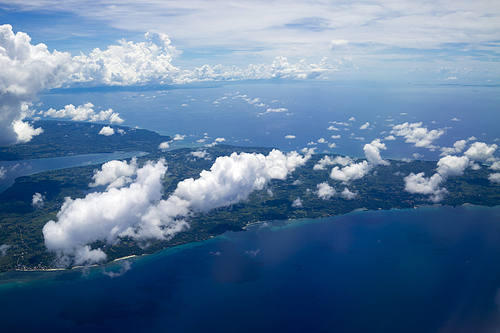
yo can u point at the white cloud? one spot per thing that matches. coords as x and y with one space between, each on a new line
3 172
84 112
38 200
417 183
25 69
390 138
447 166
451 78
348 195
350 172
219 140
325 191
335 136
495 166
359 170
327 160
130 63
164 145
365 126
480 151
25 132
278 110
107 131
297 203
107 216
332 145
494 178
456 119
115 174
417 134
290 136
452 166
132 206
232 178
200 154
457 148
372 152
179 137
352 119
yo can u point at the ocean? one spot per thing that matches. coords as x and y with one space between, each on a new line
432 269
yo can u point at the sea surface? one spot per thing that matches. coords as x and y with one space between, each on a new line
433 269
238 113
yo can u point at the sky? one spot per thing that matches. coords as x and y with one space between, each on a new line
48 44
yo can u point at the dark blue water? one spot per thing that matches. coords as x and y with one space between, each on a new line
430 270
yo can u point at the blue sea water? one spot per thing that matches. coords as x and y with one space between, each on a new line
231 111
429 270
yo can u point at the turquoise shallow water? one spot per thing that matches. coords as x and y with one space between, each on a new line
429 270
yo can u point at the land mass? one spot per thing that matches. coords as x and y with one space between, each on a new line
21 224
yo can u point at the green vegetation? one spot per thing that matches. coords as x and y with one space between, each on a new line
21 224
63 138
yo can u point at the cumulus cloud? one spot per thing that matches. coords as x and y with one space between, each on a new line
495 166
457 148
417 183
348 195
179 137
130 63
327 160
494 178
3 172
38 200
325 191
447 166
351 172
232 178
84 112
372 152
297 203
25 69
132 206
107 216
164 145
417 134
107 131
480 151
289 136
359 170
115 174
365 126
200 154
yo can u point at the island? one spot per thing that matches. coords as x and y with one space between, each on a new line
21 223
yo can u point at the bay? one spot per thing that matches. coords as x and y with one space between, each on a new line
15 169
